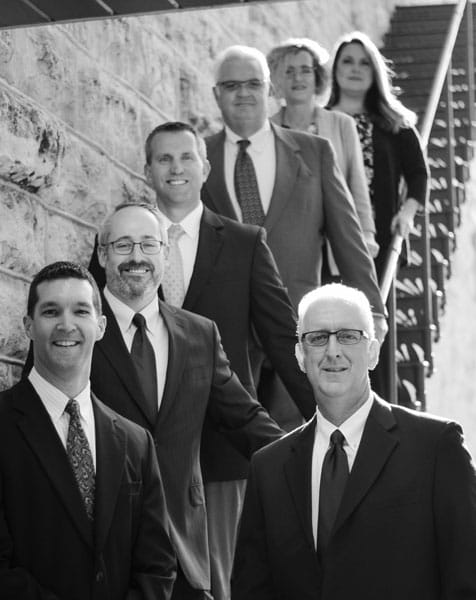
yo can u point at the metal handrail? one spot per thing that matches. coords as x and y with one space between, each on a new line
394 251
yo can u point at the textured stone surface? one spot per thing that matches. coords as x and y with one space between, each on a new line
77 100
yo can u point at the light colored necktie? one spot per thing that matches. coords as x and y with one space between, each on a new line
246 186
173 284
80 457
335 472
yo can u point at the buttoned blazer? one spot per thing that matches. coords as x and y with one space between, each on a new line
48 548
406 527
235 282
199 382
310 199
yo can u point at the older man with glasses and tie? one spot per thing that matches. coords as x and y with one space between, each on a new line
367 499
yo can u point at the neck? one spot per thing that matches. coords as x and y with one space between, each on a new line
350 105
69 381
299 116
245 129
176 213
337 410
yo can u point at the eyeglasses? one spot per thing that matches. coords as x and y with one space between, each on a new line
252 85
346 337
304 70
124 247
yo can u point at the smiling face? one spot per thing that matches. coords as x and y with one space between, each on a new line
134 278
64 326
244 110
338 373
298 77
177 170
354 72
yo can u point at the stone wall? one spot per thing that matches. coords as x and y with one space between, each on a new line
76 102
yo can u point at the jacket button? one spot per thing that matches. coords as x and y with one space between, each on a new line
99 577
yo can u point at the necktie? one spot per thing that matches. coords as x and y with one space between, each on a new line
80 457
246 187
143 357
335 472
173 283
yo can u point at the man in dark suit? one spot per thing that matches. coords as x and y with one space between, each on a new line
300 195
193 379
367 500
229 276
82 508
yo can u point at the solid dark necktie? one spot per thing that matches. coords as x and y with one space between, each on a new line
143 357
80 457
334 475
246 187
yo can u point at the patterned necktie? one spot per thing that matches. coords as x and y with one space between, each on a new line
80 457
173 284
246 187
335 472
143 357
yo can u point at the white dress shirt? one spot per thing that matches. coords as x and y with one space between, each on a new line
262 150
55 401
156 332
188 242
352 430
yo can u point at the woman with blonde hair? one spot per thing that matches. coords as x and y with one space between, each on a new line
361 87
299 78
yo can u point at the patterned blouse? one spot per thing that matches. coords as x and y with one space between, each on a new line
365 130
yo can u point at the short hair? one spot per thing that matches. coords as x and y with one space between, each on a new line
319 56
238 51
106 226
174 127
62 270
337 291
381 99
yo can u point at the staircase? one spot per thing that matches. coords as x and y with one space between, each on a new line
414 44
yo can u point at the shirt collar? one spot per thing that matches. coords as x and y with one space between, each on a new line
190 224
258 140
351 429
124 314
55 400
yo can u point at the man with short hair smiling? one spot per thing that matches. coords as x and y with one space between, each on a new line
182 375
82 508
368 499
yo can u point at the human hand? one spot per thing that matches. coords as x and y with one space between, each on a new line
403 221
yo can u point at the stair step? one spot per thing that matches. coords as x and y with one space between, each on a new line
412 388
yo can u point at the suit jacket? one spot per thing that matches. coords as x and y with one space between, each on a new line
48 548
198 382
235 282
396 155
310 200
406 527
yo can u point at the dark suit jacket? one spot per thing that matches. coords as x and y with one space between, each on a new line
48 548
406 528
396 155
310 199
198 382
235 282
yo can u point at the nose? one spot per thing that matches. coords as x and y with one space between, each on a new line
66 322
333 347
177 166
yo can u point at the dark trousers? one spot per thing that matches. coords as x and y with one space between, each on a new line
184 591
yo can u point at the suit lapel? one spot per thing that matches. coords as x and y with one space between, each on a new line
110 460
215 184
377 444
288 166
298 475
210 242
40 433
178 351
116 353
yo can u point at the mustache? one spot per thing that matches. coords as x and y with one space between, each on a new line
132 264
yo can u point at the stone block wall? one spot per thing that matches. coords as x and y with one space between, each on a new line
76 102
